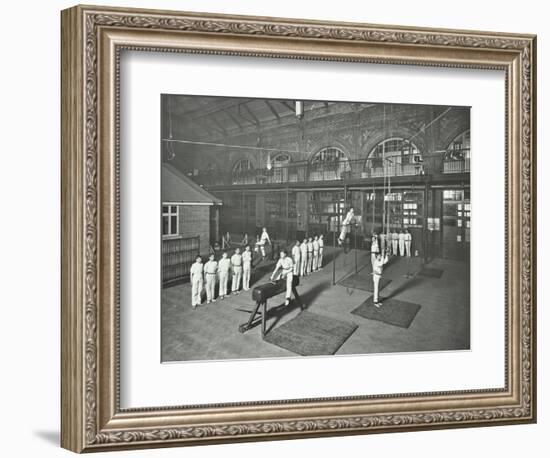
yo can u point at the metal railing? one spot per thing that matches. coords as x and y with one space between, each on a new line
301 172
177 257
456 166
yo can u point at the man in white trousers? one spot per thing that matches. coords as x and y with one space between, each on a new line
303 258
264 238
197 270
394 242
210 273
377 269
314 264
346 226
296 255
223 271
408 242
402 243
309 255
237 268
284 269
321 249
247 267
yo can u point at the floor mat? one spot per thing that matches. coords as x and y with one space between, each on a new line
431 272
309 334
363 280
392 311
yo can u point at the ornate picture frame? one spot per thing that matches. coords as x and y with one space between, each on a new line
92 40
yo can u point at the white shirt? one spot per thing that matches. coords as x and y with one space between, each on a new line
408 237
315 245
395 236
321 244
402 237
247 257
303 248
224 264
310 247
286 265
296 252
211 267
196 270
236 260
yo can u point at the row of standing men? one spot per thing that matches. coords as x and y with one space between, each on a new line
396 243
238 266
307 258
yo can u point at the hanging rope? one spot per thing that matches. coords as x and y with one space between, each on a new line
389 200
373 202
386 177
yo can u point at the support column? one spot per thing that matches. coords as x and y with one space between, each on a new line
425 235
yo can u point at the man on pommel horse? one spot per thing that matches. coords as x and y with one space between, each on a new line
282 279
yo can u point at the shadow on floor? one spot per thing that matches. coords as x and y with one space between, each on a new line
52 437
413 282
281 310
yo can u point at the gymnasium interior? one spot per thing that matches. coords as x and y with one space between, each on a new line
233 166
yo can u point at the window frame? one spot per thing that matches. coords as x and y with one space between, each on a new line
169 215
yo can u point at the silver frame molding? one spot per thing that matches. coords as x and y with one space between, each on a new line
92 40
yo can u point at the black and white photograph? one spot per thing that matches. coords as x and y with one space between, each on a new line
313 228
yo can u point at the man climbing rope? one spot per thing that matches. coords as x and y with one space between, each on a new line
346 226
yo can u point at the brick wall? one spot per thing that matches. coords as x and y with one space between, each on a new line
195 221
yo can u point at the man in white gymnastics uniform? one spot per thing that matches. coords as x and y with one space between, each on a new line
247 267
377 269
197 270
394 242
408 242
284 269
321 249
314 266
402 243
346 226
210 273
296 255
223 272
303 258
237 268
309 255
264 238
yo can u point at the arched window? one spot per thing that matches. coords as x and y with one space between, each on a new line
394 157
281 160
279 165
456 158
243 172
330 163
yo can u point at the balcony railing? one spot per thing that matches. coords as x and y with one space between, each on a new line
456 161
460 166
301 172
